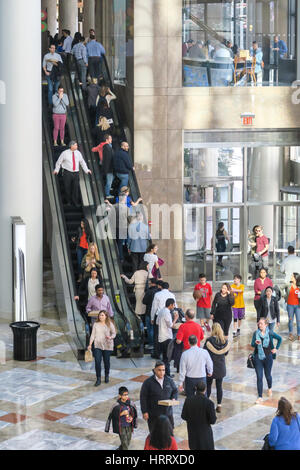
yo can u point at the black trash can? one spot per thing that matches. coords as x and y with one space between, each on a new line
25 341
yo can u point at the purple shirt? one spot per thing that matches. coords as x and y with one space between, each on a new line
95 304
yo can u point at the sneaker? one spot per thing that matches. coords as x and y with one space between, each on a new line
208 328
55 144
270 394
259 401
291 337
219 409
234 334
238 332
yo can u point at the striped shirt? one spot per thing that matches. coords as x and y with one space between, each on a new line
79 52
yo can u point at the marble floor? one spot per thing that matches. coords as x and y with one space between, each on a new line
51 403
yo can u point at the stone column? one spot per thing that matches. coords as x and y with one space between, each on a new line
88 16
51 7
68 15
21 147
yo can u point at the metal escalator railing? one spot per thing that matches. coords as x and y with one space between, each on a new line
206 28
107 246
72 321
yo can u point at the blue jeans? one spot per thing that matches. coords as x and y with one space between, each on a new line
109 180
190 384
80 254
263 366
150 330
99 354
124 180
294 310
52 87
272 326
120 243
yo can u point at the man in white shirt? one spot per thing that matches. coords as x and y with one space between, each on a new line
159 302
67 46
290 265
51 60
70 160
165 334
195 365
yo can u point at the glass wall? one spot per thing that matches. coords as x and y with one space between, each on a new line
237 188
239 43
123 38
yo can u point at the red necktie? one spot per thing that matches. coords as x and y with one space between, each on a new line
74 165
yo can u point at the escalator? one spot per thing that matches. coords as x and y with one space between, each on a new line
81 104
128 325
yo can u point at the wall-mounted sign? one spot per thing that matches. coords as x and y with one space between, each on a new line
44 23
247 119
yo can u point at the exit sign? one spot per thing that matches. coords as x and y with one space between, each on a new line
247 119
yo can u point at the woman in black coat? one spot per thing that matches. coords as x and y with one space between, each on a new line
270 308
217 347
199 413
221 308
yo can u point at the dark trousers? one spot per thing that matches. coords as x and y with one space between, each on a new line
257 305
190 383
120 242
71 184
95 67
218 386
152 419
80 254
136 259
99 354
156 352
263 366
163 349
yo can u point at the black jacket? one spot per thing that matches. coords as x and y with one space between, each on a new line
274 308
122 162
221 306
152 392
107 162
199 413
217 353
89 236
83 290
114 416
148 298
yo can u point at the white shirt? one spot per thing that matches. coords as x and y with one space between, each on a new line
151 259
159 301
47 61
164 322
67 47
290 265
160 381
195 363
66 161
91 287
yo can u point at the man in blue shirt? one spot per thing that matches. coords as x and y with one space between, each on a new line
95 51
79 52
68 41
280 47
258 54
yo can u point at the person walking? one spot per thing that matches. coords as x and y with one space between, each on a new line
238 308
290 265
270 308
70 160
103 100
262 246
260 284
99 302
103 334
148 301
105 151
263 356
60 103
139 280
195 365
221 308
83 239
203 295
188 328
161 437
199 413
68 40
79 52
51 68
151 257
87 290
92 94
165 334
292 300
217 347
123 416
123 164
95 51
285 427
91 260
221 237
156 388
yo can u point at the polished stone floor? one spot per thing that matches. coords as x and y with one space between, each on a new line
52 403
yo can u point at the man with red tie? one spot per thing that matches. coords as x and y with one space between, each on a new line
70 160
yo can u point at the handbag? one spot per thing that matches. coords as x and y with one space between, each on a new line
266 445
88 356
250 362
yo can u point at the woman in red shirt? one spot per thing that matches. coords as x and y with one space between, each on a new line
161 437
293 306
260 284
83 238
